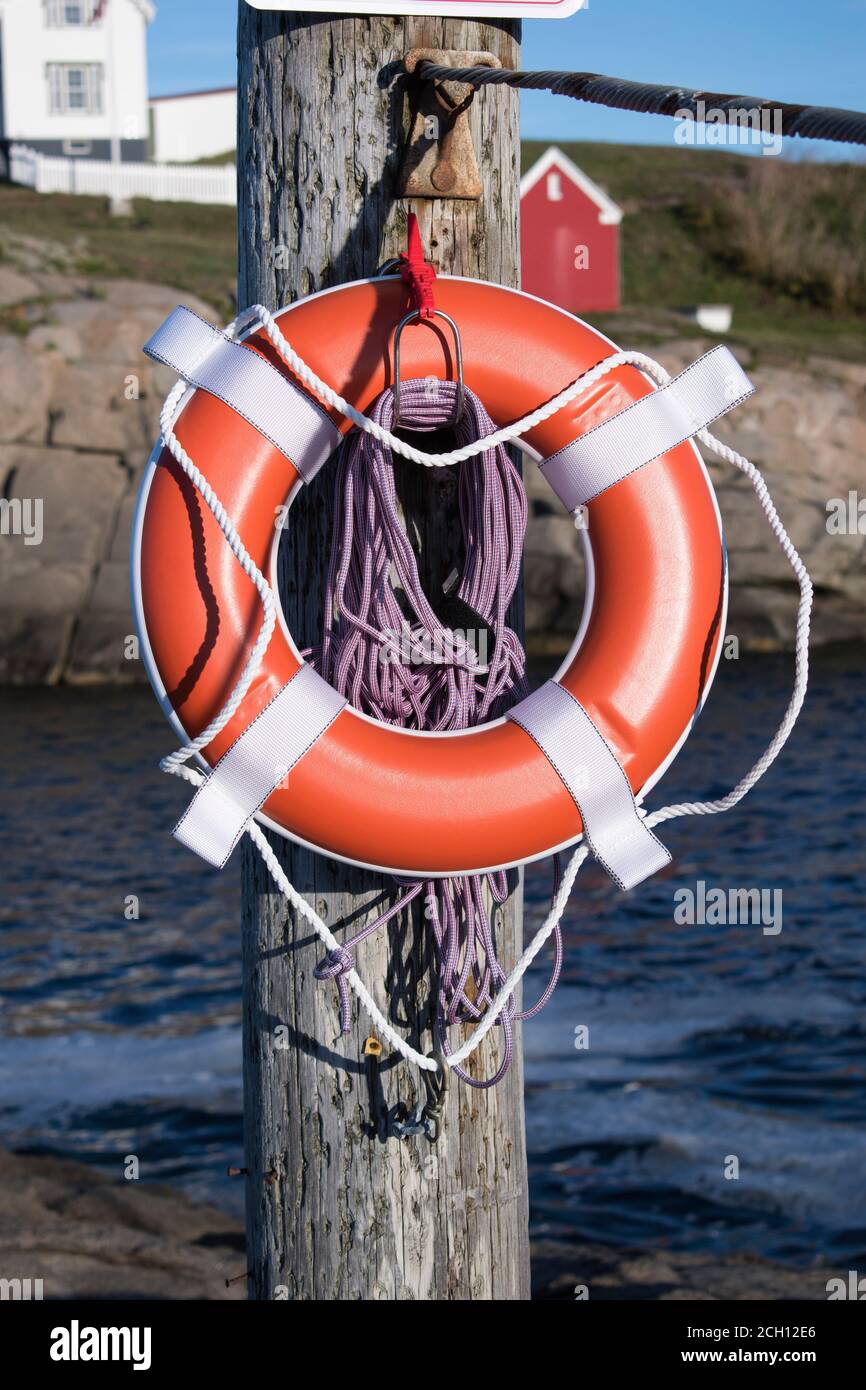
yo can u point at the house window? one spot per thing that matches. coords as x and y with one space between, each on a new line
75 89
62 14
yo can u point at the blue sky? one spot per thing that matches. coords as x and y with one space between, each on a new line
793 50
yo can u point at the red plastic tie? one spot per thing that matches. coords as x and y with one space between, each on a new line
417 273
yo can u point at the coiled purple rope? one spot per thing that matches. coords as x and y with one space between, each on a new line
418 673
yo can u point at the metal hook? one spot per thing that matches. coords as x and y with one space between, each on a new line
436 1086
458 351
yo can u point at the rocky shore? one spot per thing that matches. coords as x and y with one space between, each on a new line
87 1236
79 405
78 414
606 1273
805 428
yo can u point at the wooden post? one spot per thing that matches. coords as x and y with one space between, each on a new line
335 1208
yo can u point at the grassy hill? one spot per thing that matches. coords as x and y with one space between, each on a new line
783 242
187 245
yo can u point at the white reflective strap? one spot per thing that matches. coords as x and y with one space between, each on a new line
591 772
257 762
647 428
281 411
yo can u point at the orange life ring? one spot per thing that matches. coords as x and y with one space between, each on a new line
436 804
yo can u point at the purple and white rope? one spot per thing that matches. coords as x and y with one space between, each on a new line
416 672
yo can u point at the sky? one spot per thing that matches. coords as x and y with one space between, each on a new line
811 51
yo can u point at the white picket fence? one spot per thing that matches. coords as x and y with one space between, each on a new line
165 183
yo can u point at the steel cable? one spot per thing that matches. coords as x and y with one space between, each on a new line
657 99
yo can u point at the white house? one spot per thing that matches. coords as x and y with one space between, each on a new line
73 77
193 125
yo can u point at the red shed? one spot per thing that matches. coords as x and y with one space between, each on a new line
569 236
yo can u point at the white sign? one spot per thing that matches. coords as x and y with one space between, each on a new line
453 9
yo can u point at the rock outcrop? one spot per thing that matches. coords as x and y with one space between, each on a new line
79 405
805 428
602 1273
78 415
87 1236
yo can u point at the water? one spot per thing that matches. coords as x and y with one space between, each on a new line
122 1036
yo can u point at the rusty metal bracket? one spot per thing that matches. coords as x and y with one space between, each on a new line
439 161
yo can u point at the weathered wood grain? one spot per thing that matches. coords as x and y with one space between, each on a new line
347 1212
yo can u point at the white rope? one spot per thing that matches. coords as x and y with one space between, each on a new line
468 451
687 808
174 763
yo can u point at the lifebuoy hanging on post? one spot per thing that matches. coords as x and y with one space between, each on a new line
568 760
